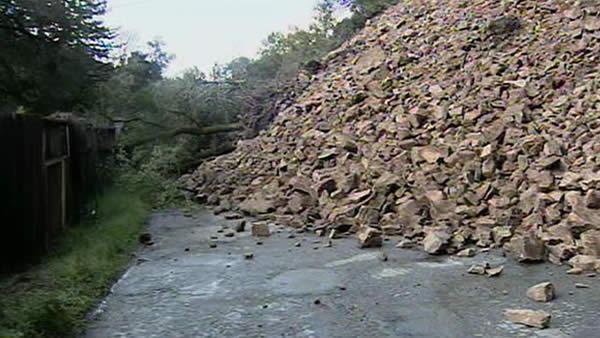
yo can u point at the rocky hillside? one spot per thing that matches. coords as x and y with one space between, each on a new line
448 123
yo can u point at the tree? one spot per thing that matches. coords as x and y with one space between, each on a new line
51 51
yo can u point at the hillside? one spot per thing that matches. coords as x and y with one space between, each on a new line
447 123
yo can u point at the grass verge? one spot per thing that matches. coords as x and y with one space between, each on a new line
53 298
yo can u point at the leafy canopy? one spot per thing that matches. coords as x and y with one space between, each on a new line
50 51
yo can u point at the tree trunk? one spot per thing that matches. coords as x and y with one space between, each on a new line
220 128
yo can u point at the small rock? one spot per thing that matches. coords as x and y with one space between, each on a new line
298 244
212 245
543 292
229 234
575 271
383 256
370 237
584 262
240 226
435 242
317 301
261 229
186 249
405 244
145 238
592 199
591 275
214 237
469 252
259 243
581 286
291 236
539 319
221 231
590 241
248 255
477 269
527 248
232 216
494 272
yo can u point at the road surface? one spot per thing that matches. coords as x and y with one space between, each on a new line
180 287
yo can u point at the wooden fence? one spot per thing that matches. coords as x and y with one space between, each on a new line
47 174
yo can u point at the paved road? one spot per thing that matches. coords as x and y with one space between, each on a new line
339 291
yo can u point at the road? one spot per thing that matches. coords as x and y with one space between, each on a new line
181 287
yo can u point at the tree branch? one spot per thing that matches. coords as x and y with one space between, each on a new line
220 128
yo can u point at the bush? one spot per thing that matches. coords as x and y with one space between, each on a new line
149 173
53 298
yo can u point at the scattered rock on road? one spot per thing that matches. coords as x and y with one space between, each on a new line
145 238
539 319
261 229
543 292
240 226
370 237
478 269
435 242
494 272
585 263
469 252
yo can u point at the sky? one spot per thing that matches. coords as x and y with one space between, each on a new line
202 32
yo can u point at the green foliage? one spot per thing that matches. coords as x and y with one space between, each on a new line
50 52
150 175
52 299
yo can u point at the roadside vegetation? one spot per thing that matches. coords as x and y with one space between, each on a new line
53 298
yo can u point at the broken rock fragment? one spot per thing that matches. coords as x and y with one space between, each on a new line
590 241
257 205
369 237
494 272
469 252
543 292
539 319
261 229
435 242
585 263
478 269
239 226
527 248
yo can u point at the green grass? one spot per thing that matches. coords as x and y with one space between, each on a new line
53 298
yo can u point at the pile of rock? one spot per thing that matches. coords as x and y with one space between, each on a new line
449 123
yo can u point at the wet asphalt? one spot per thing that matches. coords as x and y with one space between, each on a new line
181 287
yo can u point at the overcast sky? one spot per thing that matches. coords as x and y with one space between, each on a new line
202 32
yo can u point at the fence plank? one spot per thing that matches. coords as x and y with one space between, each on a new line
39 196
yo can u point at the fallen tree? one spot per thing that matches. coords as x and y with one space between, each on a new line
197 131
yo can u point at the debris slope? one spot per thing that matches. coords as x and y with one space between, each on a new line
449 123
